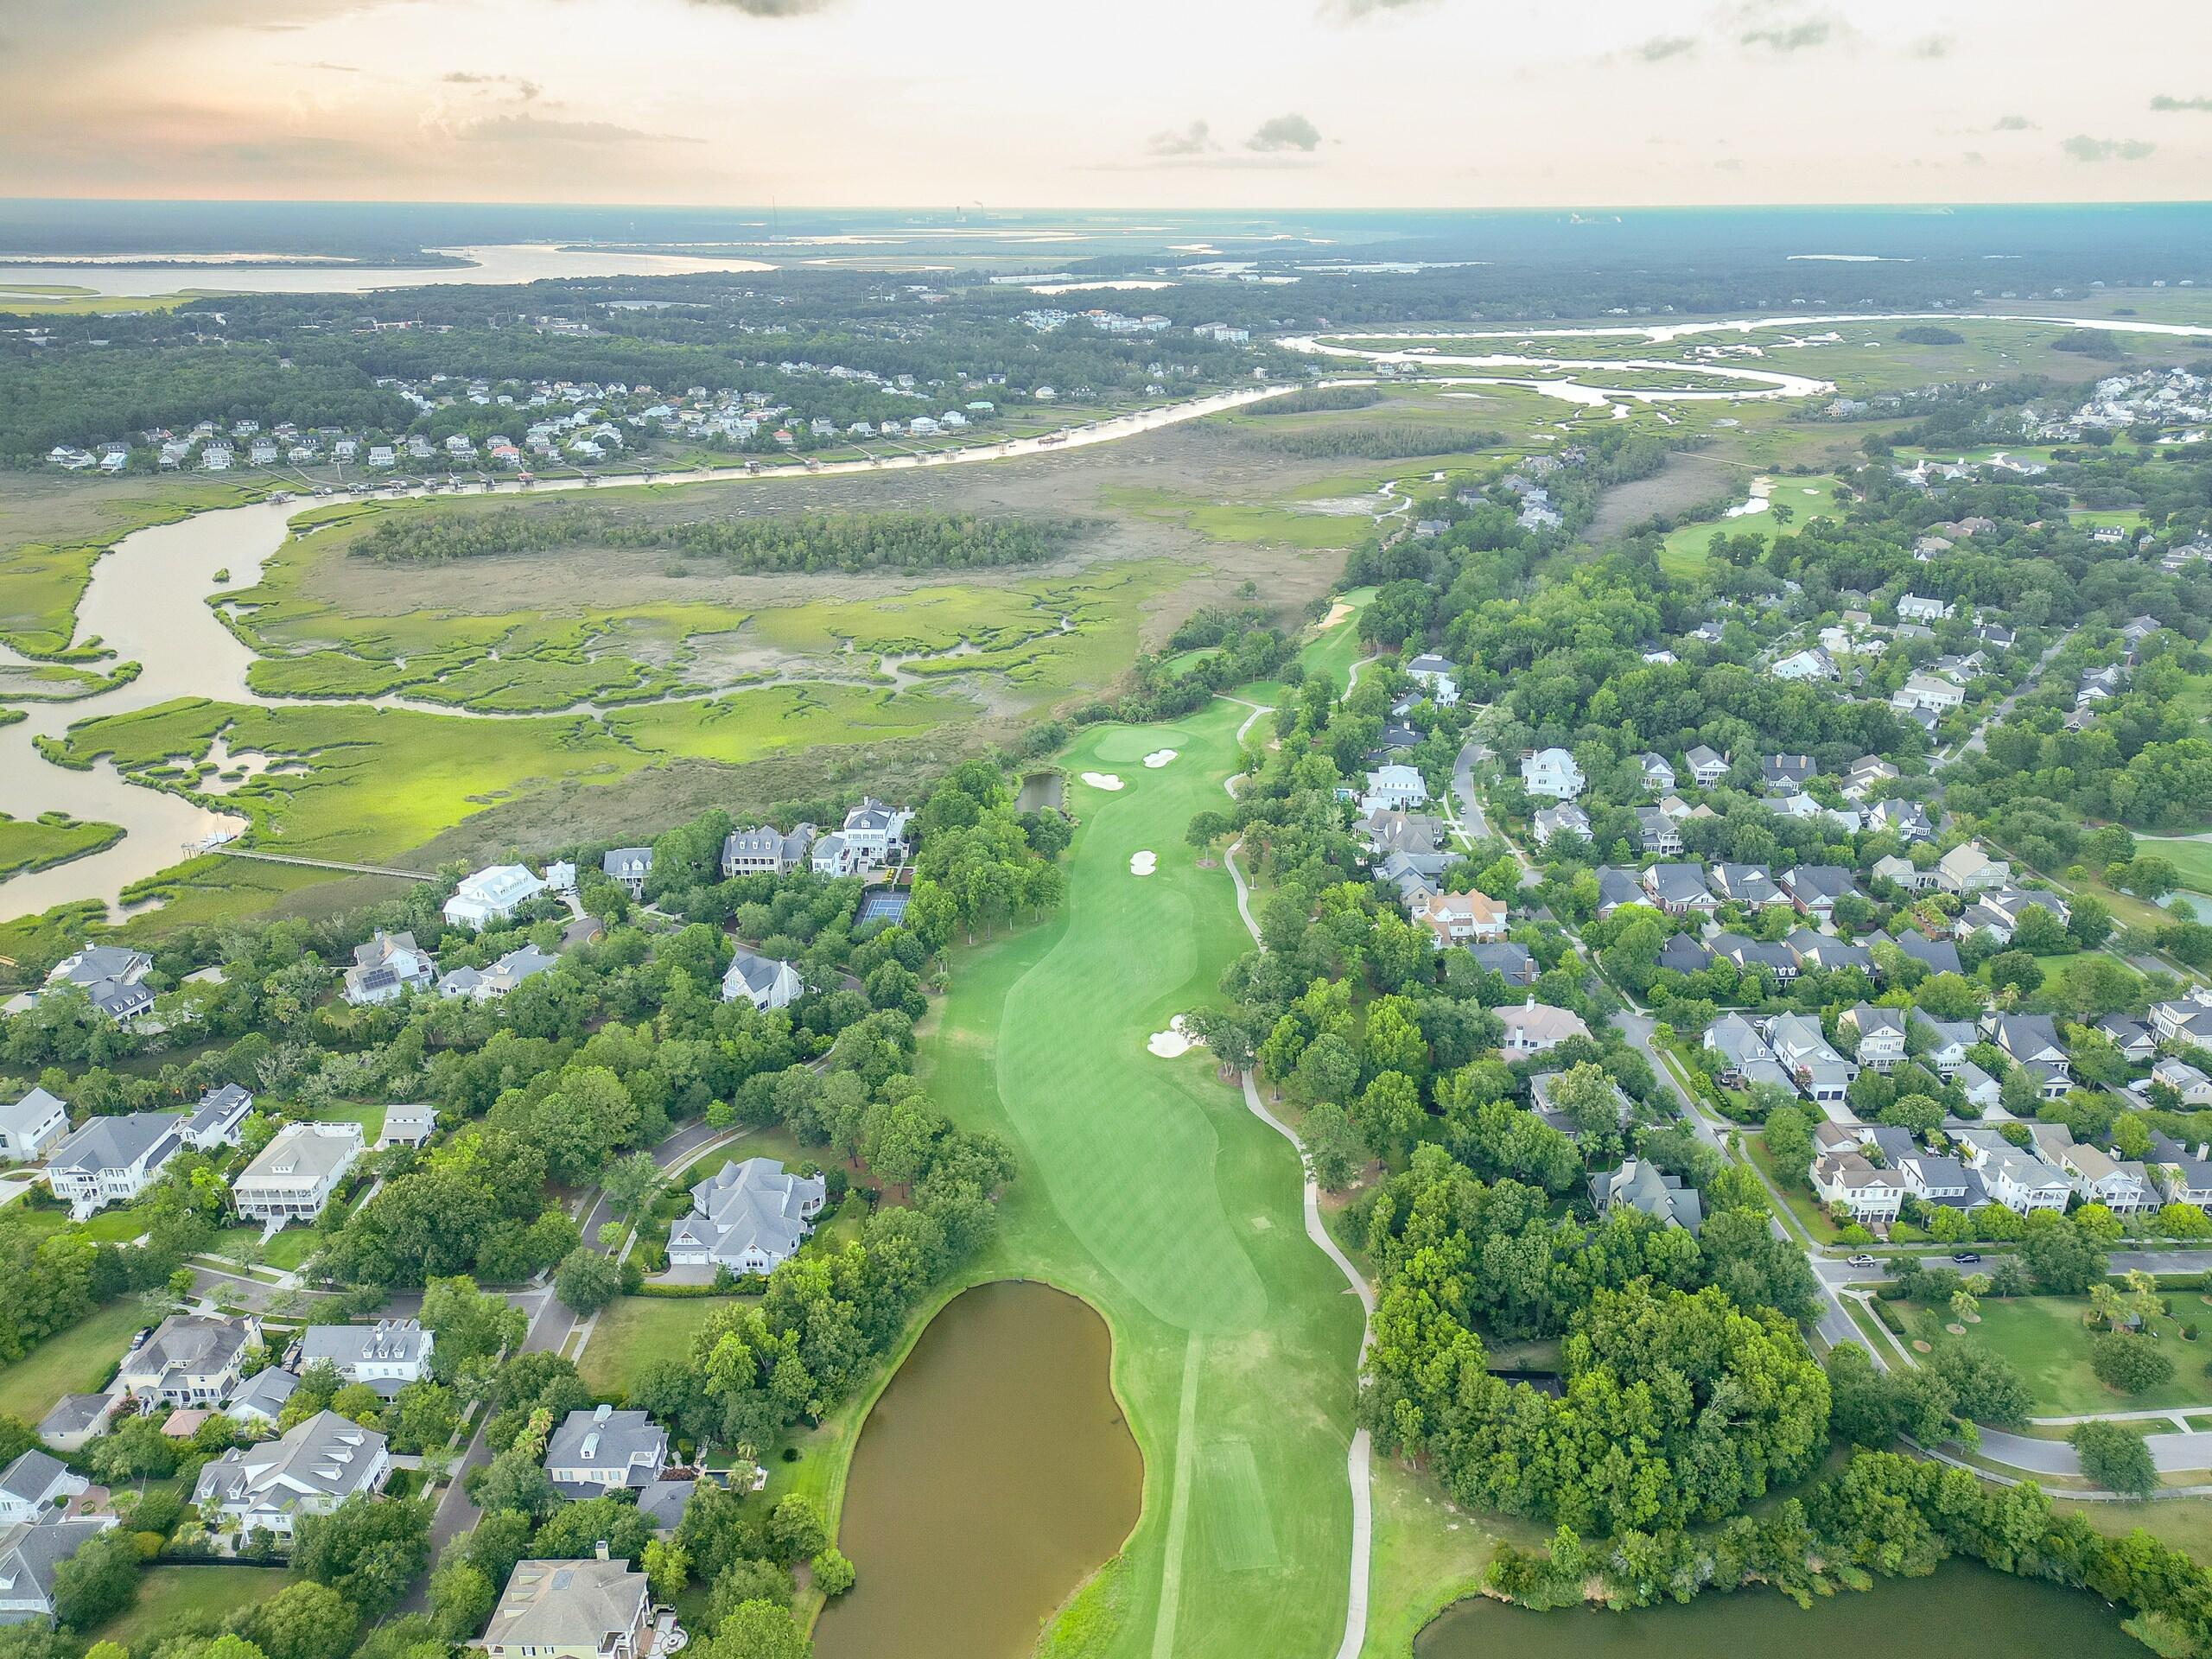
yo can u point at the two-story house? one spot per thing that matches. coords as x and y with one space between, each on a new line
31 1124
293 1176
387 1355
602 1450
112 1160
310 1471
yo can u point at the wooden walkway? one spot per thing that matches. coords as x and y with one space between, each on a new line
325 864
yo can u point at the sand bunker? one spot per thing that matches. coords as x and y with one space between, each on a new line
1101 781
1142 863
1173 1042
1337 612
1159 758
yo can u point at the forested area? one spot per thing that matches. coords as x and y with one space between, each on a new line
809 542
1382 441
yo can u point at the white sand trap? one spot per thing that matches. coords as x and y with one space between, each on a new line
1159 758
1101 781
1171 1043
1143 864
1337 612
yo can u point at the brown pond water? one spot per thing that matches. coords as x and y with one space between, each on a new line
1964 1610
993 1477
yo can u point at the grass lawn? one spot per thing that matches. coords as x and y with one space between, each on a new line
1148 1189
1683 552
2043 1337
74 1362
2192 858
634 1330
1810 1213
1335 652
370 1116
1427 1555
286 1250
213 1590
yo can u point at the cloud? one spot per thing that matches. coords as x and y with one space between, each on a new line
1933 47
1353 11
771 8
1196 139
338 68
1660 47
1292 131
1812 33
2166 102
527 91
537 129
2082 148
2012 124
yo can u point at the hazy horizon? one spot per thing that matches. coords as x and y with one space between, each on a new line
1330 104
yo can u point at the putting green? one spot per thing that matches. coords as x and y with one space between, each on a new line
1147 1188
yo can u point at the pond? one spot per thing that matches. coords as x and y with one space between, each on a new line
993 1477
1042 791
1964 1607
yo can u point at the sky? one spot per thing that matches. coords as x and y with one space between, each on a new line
1160 104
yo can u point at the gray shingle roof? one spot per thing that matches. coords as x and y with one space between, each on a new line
115 1142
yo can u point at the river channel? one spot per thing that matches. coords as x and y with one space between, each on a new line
994 1476
1964 1610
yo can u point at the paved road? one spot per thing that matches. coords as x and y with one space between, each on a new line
1836 1272
1976 742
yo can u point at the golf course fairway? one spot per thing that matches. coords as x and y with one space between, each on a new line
1148 1189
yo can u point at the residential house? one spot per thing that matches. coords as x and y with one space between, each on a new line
748 1216
2031 1040
1926 692
593 1609
1912 607
1812 664
1510 962
388 966
1945 1181
1747 884
1939 1044
1617 886
875 834
1748 953
483 985
2186 1080
1908 820
1707 766
1434 674
602 1450
2018 1179
31 1124
1537 1027
192 1359
766 850
410 1124
112 1160
295 1174
1967 869
29 1555
110 976
2130 1037
1801 1049
1563 818
1867 773
1680 889
492 895
1736 1045
1940 956
1657 833
77 1420
218 1120
1787 772
1552 773
2184 1173
1981 1090
1658 774
1393 788
1871 1195
1825 951
387 1355
2185 1019
2122 1188
1461 917
662 1503
629 867
1540 1093
1684 953
310 1471
1881 1035
259 1401
34 1484
1814 888
1899 870
767 984
1642 1185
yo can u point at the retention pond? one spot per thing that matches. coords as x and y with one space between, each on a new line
993 1477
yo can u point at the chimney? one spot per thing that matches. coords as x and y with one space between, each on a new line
599 1550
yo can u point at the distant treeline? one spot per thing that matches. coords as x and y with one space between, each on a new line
2091 342
886 541
1929 334
1376 442
1315 398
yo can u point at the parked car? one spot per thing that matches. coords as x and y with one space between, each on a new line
1962 1257
1864 1261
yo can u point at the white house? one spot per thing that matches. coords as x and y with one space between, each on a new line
629 867
296 1172
603 1450
30 1125
1813 664
875 834
192 1359
1926 692
30 1553
748 1217
1552 773
218 1120
311 1471
2016 1178
1537 1027
388 966
112 1160
765 983
387 1355
2123 1189
1393 789
1966 868
1912 607
589 1609
33 1483
1706 767
1871 1196
1434 674
492 895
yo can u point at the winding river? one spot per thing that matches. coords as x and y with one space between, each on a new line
489 266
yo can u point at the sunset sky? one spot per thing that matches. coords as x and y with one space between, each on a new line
1143 103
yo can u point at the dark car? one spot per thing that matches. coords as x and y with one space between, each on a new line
1962 1257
